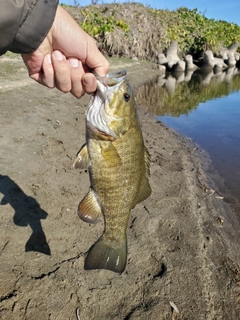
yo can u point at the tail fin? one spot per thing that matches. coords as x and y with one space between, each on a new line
106 254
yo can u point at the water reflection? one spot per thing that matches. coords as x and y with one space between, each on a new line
180 93
206 108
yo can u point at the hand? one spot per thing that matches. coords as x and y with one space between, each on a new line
66 57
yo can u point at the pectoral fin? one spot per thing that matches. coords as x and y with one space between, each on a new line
111 156
145 189
89 209
82 160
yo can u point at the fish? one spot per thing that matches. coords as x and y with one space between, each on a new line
118 163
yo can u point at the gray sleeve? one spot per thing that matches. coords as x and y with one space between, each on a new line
25 23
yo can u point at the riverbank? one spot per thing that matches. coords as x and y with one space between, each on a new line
183 241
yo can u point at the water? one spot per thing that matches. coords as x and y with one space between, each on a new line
206 108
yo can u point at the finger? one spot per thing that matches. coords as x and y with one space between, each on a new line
34 66
47 76
81 83
89 83
61 71
76 72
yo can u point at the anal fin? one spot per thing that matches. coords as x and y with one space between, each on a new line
145 191
89 209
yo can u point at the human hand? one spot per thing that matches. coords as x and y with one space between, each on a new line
66 57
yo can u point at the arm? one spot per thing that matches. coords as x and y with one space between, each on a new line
74 55
56 51
22 28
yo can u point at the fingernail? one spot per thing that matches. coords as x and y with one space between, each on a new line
48 58
88 80
73 62
58 55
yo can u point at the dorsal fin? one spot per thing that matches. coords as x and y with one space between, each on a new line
145 189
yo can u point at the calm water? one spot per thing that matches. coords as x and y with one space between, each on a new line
206 108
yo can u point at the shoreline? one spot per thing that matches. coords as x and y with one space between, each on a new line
216 181
183 241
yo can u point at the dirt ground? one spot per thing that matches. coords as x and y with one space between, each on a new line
183 241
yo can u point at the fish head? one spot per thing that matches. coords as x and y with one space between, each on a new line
112 108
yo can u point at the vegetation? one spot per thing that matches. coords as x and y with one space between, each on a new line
98 26
196 33
132 29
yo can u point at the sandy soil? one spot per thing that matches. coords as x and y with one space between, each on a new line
183 260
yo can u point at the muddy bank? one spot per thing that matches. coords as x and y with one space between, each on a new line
183 241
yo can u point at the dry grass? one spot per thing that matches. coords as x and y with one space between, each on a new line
144 38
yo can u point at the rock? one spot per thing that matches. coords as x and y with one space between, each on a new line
190 66
162 59
162 69
220 63
223 53
229 55
208 58
233 47
231 61
180 66
237 56
209 61
172 56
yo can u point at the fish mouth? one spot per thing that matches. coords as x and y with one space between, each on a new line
112 79
96 113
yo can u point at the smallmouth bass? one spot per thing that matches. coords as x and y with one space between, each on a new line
118 164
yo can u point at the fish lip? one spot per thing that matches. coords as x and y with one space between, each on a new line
109 84
112 79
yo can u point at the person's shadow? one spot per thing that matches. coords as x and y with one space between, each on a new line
27 212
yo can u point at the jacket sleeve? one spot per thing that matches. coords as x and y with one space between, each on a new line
25 23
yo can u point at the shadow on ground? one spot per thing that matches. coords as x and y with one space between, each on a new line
27 213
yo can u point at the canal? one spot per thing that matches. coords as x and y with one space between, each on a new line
206 108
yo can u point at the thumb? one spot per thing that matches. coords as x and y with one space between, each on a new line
73 41
95 60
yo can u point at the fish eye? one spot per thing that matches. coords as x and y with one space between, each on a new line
126 97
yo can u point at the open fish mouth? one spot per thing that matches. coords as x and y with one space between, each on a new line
112 79
96 113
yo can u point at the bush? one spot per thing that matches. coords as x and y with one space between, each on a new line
132 29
